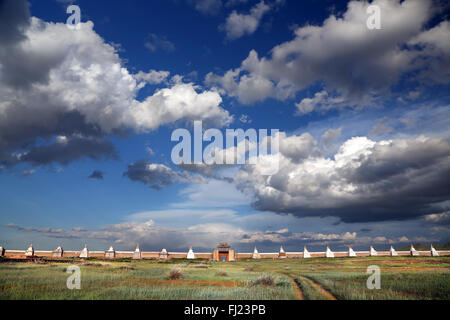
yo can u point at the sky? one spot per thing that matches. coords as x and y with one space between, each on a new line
87 115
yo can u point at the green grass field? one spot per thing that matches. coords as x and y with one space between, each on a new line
319 278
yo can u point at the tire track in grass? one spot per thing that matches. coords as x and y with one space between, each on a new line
326 293
298 291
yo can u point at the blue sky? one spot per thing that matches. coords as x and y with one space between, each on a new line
86 119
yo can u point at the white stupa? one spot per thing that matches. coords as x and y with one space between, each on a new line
329 253
282 253
373 252
434 253
164 254
84 253
58 253
351 253
306 253
137 253
30 251
111 253
191 254
256 254
413 251
393 252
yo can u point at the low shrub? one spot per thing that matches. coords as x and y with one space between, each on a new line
127 268
265 280
176 274
91 264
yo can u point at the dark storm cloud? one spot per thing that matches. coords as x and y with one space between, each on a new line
367 181
31 128
442 219
396 159
96 174
19 68
20 125
48 232
14 18
60 82
69 150
87 139
156 176
32 229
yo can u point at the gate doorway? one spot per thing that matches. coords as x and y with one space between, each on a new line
223 252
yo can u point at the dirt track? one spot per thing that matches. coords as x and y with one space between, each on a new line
326 293
298 292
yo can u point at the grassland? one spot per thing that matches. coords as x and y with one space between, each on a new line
289 279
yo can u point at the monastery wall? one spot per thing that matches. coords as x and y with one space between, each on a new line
24 254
